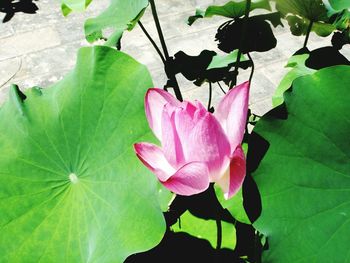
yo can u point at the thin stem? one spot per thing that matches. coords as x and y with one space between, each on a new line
171 76
308 33
221 87
252 71
219 233
152 41
245 20
210 95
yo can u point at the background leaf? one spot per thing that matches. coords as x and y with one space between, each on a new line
300 13
71 187
339 4
232 9
304 178
121 15
74 5
222 61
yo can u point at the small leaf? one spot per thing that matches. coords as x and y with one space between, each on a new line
232 9
68 6
121 15
225 60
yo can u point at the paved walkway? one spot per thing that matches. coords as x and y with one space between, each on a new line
39 49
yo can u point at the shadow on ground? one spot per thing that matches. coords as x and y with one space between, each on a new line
10 7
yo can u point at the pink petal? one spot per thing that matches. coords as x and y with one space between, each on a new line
199 105
191 179
154 102
232 113
203 140
153 158
171 143
233 178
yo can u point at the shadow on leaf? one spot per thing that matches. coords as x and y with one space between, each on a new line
323 57
181 247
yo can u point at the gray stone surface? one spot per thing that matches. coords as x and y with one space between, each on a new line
39 49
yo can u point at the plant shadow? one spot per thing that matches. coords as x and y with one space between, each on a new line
10 7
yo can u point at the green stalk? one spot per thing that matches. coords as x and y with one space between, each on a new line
152 42
244 28
210 95
219 233
308 33
171 76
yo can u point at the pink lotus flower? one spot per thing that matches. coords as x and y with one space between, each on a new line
198 147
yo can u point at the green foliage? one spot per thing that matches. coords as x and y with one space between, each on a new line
74 5
121 15
339 4
298 69
300 13
304 178
71 188
206 229
299 26
222 61
232 9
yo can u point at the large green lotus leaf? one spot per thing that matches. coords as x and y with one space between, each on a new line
231 9
304 178
74 5
71 189
297 63
121 15
206 229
